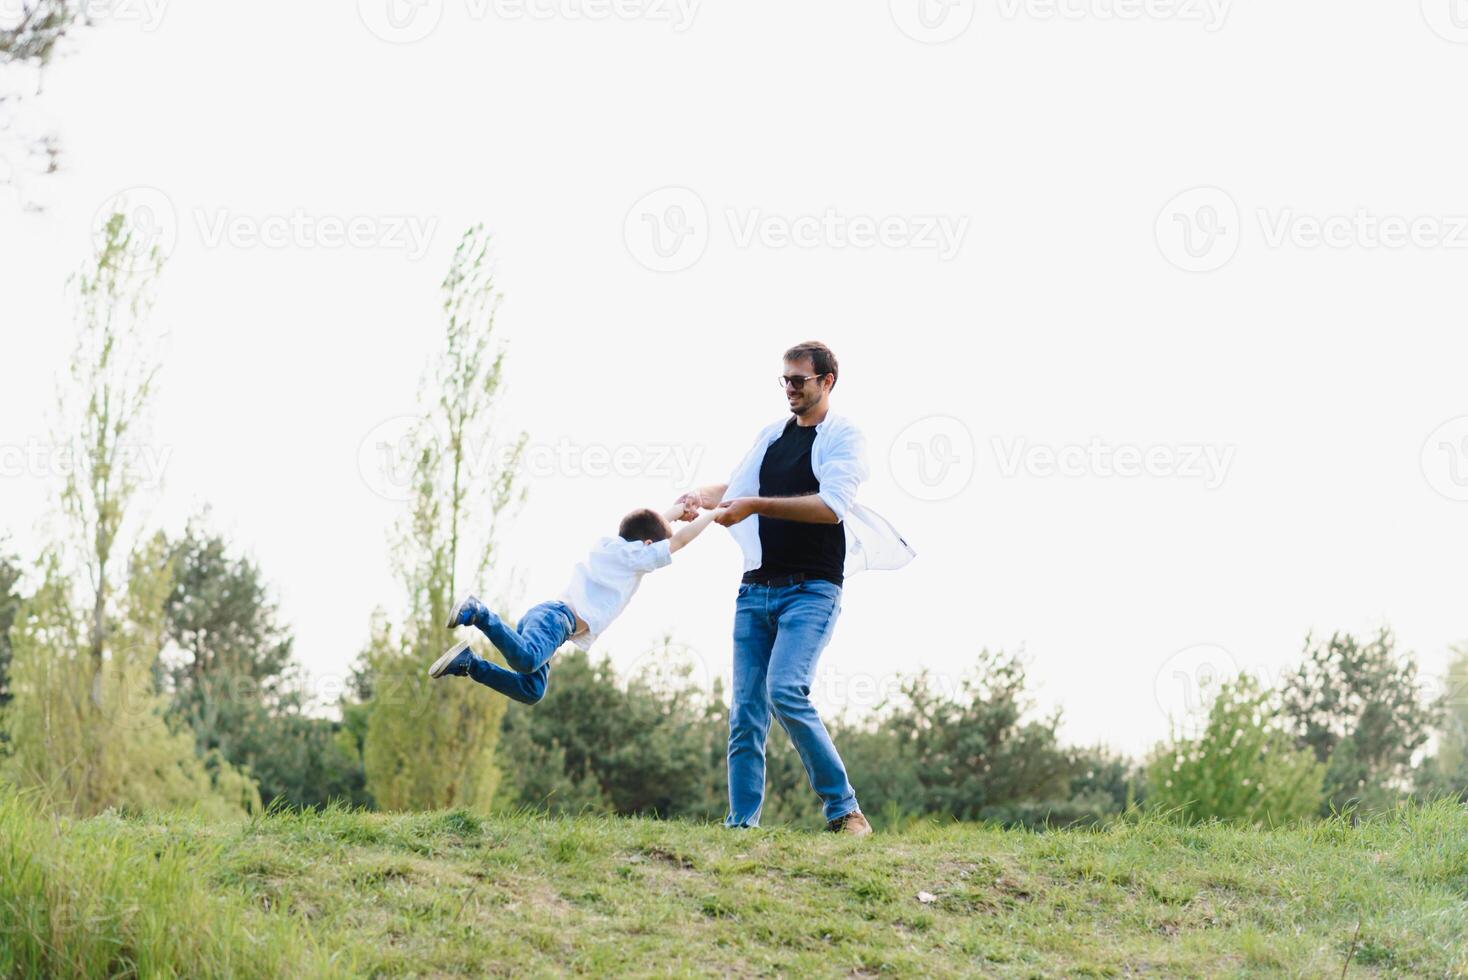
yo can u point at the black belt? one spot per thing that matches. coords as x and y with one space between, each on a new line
782 581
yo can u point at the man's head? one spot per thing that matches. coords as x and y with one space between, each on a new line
645 525
810 374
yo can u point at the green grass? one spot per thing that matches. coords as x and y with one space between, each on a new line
447 893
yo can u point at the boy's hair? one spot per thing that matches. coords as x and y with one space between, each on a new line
820 357
643 525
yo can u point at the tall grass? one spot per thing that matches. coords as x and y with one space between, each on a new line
110 897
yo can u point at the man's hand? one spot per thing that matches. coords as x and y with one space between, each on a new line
731 512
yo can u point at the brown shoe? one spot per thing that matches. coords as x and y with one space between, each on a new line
853 824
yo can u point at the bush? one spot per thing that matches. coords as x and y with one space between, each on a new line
596 744
1243 768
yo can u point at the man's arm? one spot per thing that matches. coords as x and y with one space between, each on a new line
692 530
809 509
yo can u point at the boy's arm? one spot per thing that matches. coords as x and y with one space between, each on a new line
692 529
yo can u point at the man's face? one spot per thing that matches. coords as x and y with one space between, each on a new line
811 393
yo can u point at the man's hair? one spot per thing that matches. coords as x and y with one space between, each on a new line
643 525
820 357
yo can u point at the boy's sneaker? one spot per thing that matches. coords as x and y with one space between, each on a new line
456 661
467 611
853 825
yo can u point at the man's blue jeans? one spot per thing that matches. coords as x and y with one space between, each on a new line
527 648
779 633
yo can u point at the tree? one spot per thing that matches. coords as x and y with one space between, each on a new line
28 39
431 744
10 600
1243 768
33 36
114 368
975 756
633 747
234 680
86 721
1446 774
95 739
1360 709
236 655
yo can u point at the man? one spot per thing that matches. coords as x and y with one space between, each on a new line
791 506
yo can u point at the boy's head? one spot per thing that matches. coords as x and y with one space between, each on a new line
645 525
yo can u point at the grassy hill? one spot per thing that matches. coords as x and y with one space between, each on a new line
435 894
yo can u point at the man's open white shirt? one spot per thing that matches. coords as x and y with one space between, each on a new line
838 456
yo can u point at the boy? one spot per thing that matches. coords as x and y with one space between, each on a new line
601 586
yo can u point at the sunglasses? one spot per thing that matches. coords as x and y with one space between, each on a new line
797 381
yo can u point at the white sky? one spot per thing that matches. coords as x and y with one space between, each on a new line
1320 375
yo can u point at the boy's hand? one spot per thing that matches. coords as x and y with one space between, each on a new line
690 504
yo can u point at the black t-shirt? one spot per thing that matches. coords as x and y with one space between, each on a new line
790 547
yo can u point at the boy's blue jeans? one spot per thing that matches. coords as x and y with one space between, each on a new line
779 633
527 648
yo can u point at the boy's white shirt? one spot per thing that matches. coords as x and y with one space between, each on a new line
838 456
603 584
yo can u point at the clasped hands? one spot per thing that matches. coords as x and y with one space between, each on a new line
731 511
